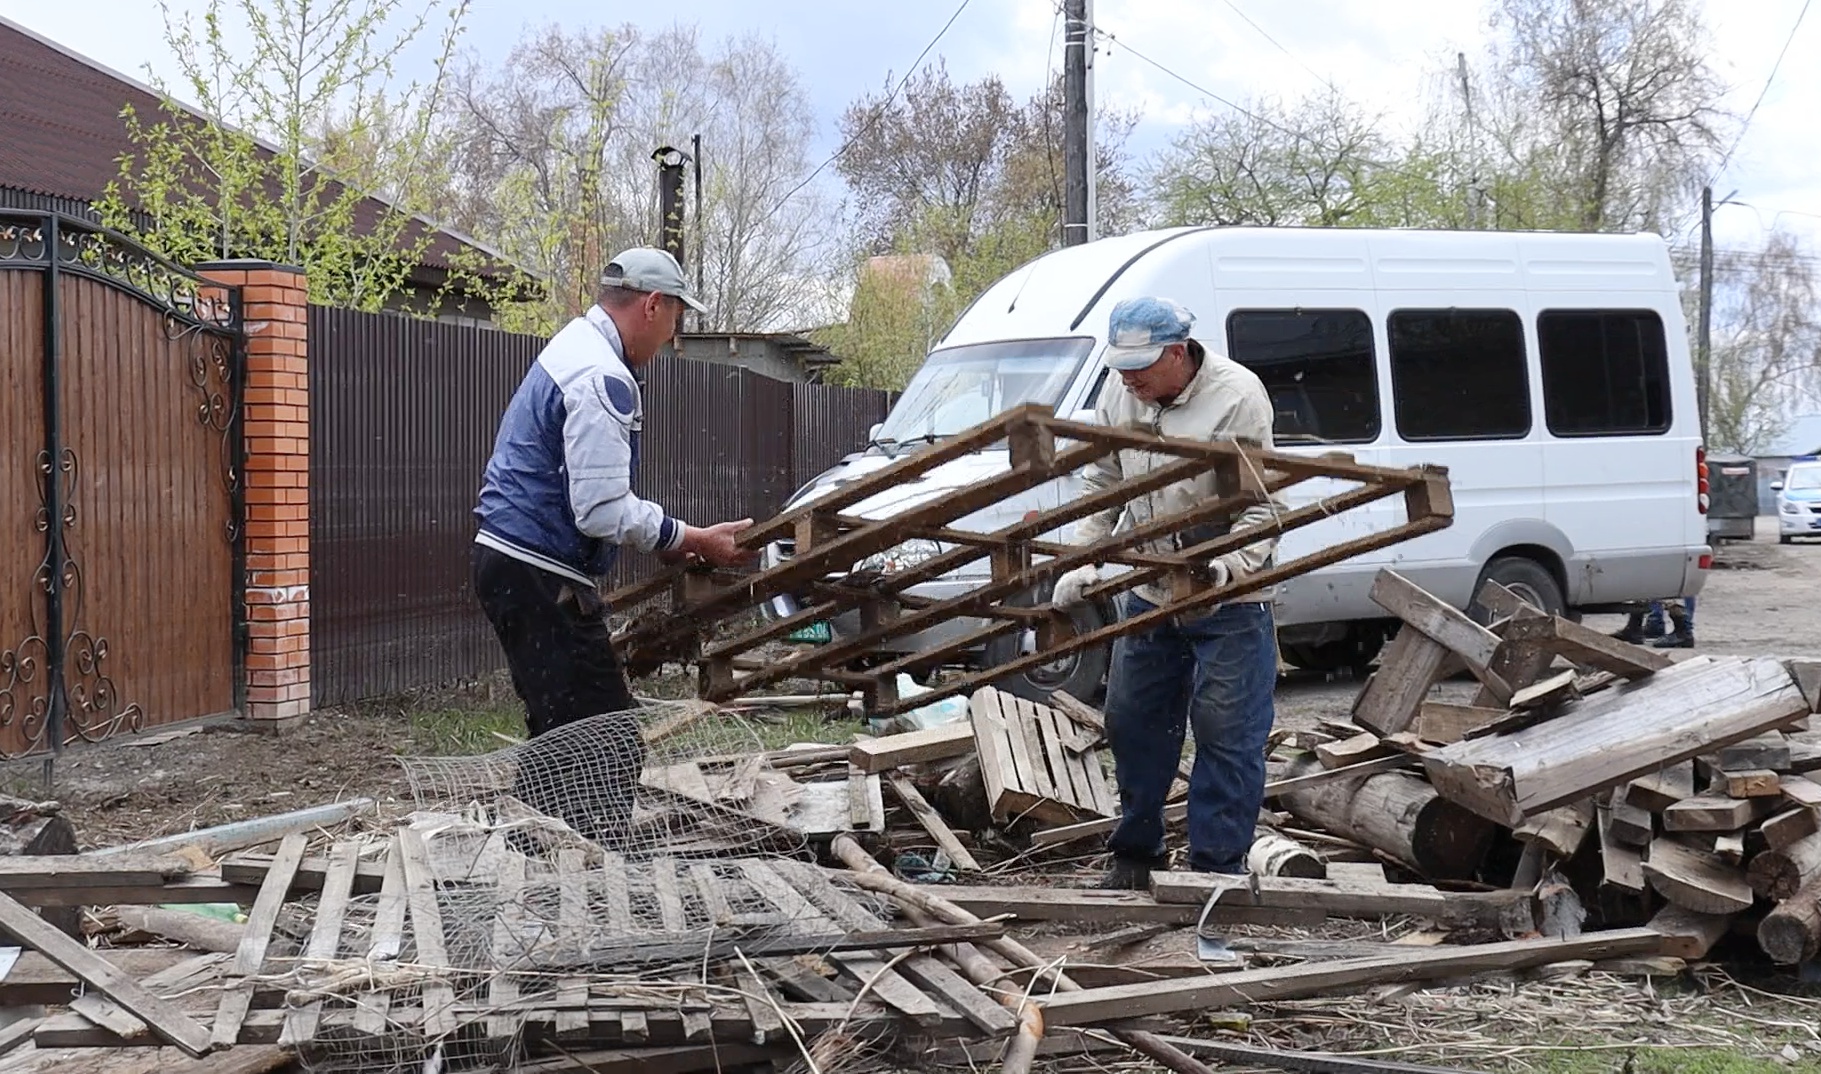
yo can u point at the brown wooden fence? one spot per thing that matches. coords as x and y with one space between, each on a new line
403 416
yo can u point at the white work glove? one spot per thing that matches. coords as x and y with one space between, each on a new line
1069 587
1218 573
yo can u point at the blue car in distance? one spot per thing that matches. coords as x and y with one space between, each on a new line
1799 502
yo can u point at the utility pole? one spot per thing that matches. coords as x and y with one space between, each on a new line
1077 124
1704 334
695 158
670 201
1473 145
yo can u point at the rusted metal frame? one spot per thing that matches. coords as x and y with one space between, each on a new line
1278 525
941 564
1339 465
1145 621
850 548
944 451
968 603
1043 548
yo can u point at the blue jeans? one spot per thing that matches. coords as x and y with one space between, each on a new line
1216 674
1653 620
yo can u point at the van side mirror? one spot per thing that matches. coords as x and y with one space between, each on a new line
873 433
1776 486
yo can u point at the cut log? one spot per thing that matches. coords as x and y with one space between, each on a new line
1397 813
1715 813
1791 933
1779 874
1695 881
1614 736
1687 933
1768 750
1656 791
1758 783
1588 647
1279 855
1788 826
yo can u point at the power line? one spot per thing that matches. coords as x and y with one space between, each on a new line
878 113
1267 36
1787 41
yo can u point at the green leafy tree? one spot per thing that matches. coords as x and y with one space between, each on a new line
296 118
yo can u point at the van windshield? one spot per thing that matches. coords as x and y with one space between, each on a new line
960 387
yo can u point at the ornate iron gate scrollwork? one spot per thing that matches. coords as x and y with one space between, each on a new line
55 682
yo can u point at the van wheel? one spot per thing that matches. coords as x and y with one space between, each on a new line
1530 580
1083 674
1355 651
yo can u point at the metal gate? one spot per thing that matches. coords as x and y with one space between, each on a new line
120 461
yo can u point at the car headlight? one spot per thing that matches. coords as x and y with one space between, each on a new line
1789 508
901 557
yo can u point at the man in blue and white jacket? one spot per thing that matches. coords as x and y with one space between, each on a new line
557 503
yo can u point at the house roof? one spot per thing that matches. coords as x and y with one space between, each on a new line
1802 438
65 136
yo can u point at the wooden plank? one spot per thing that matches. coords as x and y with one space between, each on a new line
1800 790
1688 934
165 1019
325 936
1094 906
986 1014
1614 736
1658 790
1547 693
1788 827
237 998
1247 987
1588 647
1715 813
1696 881
427 931
1021 728
1630 825
1407 669
1757 783
127 869
571 933
1621 865
1768 750
933 823
668 894
1443 623
1561 830
1106 801
1049 736
507 944
998 770
1344 897
1352 750
373 1008
1442 722
616 891
912 747
859 817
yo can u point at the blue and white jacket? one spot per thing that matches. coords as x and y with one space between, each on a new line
558 490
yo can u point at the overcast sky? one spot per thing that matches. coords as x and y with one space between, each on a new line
1379 54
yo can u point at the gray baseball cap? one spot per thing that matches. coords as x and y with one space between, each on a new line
647 268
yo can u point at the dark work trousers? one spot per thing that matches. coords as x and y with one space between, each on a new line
554 631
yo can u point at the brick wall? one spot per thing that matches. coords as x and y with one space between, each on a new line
276 429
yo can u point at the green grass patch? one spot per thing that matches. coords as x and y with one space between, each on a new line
444 732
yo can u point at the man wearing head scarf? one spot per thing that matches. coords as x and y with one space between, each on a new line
1210 671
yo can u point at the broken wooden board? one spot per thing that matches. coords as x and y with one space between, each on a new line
912 747
1443 623
1770 750
1617 735
1408 667
1756 783
1788 826
1441 722
1350 898
1656 791
1096 906
1715 813
933 823
1561 830
1687 933
1027 770
1588 647
1695 881
1094 1005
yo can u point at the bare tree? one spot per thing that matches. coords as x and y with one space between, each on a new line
555 166
1767 343
1601 115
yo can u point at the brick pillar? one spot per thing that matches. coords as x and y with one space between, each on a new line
275 421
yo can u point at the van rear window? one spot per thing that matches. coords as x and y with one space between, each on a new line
1459 374
1319 368
1605 372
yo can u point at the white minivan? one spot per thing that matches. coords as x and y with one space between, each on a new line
1548 372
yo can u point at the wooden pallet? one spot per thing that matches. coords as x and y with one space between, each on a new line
492 948
835 556
1029 763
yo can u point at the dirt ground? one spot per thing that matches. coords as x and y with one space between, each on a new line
1760 599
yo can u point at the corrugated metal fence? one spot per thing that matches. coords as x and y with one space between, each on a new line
403 414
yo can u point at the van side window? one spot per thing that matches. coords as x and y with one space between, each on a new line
1605 372
1459 374
1318 366
1100 383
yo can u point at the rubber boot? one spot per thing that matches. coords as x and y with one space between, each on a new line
1633 631
1682 631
